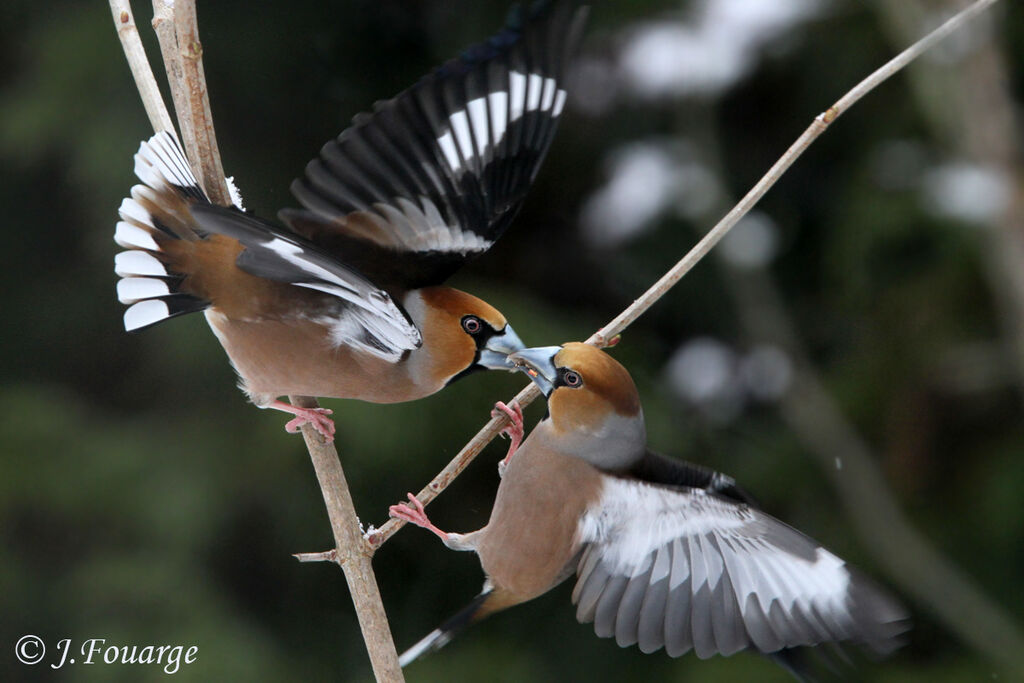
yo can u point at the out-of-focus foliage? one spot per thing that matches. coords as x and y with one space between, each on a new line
143 501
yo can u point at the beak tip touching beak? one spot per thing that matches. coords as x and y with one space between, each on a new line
538 364
496 355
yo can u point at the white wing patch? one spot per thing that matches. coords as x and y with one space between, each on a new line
470 135
526 93
747 577
478 117
634 519
498 102
373 308
422 228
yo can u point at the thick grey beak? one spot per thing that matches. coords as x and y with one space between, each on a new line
539 364
494 355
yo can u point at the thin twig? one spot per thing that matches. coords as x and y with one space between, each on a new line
145 83
980 125
693 257
325 556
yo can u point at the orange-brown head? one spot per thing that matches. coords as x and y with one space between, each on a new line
593 405
461 334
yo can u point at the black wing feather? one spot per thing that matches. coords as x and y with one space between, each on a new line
659 469
476 185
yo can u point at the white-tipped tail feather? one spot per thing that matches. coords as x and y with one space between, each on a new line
135 263
133 289
148 282
133 237
434 640
160 162
145 313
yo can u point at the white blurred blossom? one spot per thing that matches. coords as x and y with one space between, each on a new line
701 369
710 52
752 243
720 381
967 192
767 372
646 180
703 373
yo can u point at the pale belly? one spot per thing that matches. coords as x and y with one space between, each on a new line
280 358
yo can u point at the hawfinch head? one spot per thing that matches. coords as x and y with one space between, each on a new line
466 334
593 403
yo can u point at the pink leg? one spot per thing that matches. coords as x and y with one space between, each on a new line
513 431
413 512
314 416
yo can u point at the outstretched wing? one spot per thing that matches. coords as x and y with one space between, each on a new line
688 570
437 173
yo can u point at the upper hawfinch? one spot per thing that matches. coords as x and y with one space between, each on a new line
666 554
346 299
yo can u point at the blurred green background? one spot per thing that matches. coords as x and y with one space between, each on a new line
143 501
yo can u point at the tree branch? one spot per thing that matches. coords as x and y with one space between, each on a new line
182 52
145 83
351 552
197 109
618 324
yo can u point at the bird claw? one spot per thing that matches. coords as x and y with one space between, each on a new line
414 513
514 432
410 512
317 417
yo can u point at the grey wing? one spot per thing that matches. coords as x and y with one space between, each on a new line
685 570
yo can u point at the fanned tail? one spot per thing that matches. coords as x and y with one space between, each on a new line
157 230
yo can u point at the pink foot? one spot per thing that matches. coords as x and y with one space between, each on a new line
514 431
413 512
313 416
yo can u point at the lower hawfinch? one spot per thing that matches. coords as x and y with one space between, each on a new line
347 298
666 554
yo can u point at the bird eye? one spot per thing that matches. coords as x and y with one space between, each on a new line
572 379
471 324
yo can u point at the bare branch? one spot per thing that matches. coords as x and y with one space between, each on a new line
352 553
186 28
325 556
145 83
178 34
163 26
454 468
907 56
694 256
